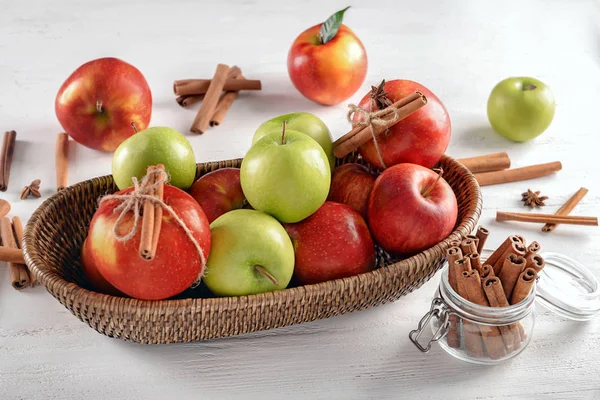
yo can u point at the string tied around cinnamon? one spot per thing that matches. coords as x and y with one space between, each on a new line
143 192
373 119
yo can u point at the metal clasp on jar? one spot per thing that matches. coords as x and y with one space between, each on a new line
437 310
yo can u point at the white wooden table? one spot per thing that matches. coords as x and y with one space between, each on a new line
460 50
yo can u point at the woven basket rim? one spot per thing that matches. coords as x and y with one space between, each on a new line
48 278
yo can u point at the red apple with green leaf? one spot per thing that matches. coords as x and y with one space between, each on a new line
177 263
332 243
421 138
411 208
218 192
351 184
97 104
328 63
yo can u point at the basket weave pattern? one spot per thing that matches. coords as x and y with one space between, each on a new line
55 235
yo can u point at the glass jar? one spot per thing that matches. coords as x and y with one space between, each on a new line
491 335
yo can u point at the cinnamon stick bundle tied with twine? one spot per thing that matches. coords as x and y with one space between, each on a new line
148 196
373 124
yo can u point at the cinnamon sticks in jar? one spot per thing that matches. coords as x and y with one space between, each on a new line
215 103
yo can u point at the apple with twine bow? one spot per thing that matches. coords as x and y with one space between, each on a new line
154 256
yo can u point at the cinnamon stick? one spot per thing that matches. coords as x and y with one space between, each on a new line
18 272
455 243
499 252
470 288
517 249
476 262
158 213
62 160
482 234
188 100
361 134
492 286
186 87
517 174
4 208
453 254
487 162
6 156
536 262
18 231
566 208
453 336
468 246
523 285
224 103
486 271
534 247
512 268
546 218
148 220
209 104
11 255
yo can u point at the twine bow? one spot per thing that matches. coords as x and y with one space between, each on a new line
373 119
134 201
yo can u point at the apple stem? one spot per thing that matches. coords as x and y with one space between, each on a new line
283 133
440 171
134 127
262 270
529 87
99 106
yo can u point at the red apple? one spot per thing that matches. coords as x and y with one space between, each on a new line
219 192
351 184
327 65
177 263
98 102
99 283
411 208
332 243
421 138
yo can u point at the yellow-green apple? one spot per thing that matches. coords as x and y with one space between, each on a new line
98 102
153 146
411 208
328 63
218 192
286 174
520 109
351 184
421 138
177 263
251 253
98 282
332 243
303 122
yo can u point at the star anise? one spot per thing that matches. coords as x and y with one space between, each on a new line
379 96
533 199
31 190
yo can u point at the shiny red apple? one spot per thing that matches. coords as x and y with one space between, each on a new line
411 208
327 63
177 263
332 243
98 102
421 138
99 283
218 192
351 184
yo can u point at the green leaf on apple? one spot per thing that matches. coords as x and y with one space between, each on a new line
331 26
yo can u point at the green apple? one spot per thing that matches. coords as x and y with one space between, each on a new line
286 175
152 146
520 108
250 253
304 122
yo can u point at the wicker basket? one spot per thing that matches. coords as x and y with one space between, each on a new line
56 231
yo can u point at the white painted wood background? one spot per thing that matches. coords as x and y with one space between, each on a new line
460 50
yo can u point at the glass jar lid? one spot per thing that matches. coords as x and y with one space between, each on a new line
568 288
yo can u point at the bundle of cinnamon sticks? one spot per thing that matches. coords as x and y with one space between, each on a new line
217 95
505 278
11 233
152 215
